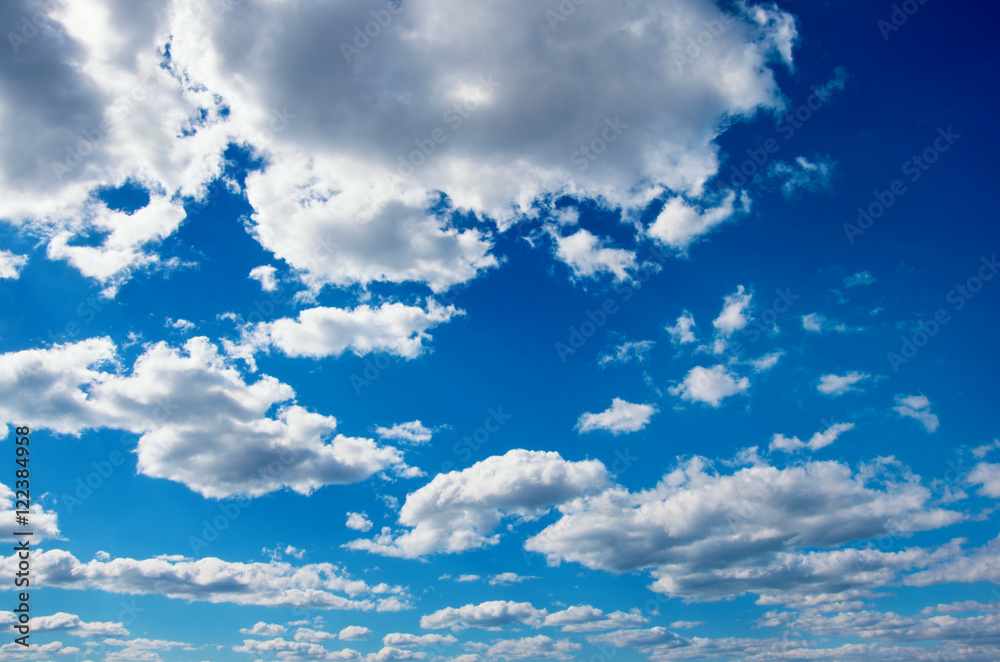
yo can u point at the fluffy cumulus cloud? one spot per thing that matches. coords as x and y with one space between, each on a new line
44 523
682 332
587 256
734 313
358 522
987 476
490 615
710 385
11 264
274 584
411 432
840 384
917 407
457 511
262 629
393 328
402 640
191 402
585 618
706 535
620 417
494 105
819 440
539 647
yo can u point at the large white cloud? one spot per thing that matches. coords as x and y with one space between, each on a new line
491 615
495 105
708 535
191 403
274 584
458 511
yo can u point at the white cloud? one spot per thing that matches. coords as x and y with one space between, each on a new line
181 325
733 316
766 362
358 522
262 629
508 578
404 640
309 635
710 385
637 638
917 407
534 648
76 626
621 417
859 279
819 440
338 200
457 511
11 264
588 256
283 649
467 578
394 328
816 323
191 403
840 384
273 584
682 332
354 633
626 352
265 275
987 475
707 535
680 223
490 615
802 174
584 618
411 432
44 523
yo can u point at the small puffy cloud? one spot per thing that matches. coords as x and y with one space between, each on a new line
358 522
265 275
682 332
589 256
917 407
621 417
11 264
685 625
44 523
859 279
733 316
182 325
403 640
766 362
802 174
312 636
394 328
467 578
411 432
354 633
489 615
710 385
840 384
987 475
637 638
508 578
262 629
816 323
457 511
819 440
679 224
626 352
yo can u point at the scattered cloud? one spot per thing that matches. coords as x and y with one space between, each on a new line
621 417
840 384
917 407
710 385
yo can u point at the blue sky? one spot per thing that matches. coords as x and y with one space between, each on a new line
580 331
